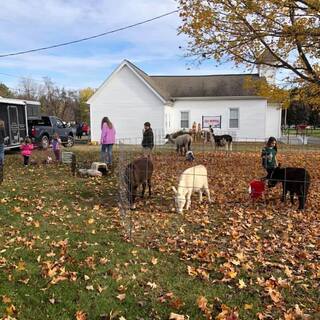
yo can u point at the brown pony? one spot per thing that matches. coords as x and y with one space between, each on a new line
138 172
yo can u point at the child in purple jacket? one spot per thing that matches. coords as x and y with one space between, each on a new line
26 149
108 137
56 146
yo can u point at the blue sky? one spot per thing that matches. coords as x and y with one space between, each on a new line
154 47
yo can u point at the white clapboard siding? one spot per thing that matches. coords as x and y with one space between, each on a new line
128 102
252 115
273 121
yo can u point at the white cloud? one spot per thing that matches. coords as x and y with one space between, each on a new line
154 46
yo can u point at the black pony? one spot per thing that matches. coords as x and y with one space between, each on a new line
294 180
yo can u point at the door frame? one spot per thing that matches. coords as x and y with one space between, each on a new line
9 120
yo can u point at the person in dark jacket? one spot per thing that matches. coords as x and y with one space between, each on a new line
147 140
2 137
79 131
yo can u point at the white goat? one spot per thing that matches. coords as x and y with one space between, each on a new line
194 179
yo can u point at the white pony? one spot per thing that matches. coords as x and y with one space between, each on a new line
194 179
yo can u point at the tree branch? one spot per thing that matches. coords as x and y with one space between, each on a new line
309 68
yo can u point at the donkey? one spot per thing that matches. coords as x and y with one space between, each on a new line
182 143
138 172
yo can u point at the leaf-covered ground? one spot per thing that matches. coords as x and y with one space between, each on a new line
66 252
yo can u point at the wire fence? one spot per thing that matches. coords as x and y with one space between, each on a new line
225 174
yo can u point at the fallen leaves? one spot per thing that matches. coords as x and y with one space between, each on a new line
6 299
89 288
11 310
56 272
248 306
91 221
241 284
202 303
227 313
121 296
81 315
152 285
198 272
175 316
21 266
274 295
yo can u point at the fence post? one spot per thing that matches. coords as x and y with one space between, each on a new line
73 164
70 158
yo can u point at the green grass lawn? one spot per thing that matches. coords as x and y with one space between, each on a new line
64 254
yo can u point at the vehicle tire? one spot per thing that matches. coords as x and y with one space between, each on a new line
45 143
70 141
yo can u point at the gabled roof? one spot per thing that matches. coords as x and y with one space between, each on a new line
170 87
226 85
205 86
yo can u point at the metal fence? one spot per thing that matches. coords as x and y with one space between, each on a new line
229 174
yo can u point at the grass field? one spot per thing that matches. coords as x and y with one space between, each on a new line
67 253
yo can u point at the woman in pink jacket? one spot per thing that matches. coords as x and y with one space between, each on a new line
26 149
108 138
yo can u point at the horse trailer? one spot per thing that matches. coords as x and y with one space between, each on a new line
14 114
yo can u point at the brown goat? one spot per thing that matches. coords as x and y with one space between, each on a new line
138 172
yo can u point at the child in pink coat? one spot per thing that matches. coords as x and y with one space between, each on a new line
108 138
26 149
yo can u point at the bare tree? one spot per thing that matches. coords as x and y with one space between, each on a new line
28 89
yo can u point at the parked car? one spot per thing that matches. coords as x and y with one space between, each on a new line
41 131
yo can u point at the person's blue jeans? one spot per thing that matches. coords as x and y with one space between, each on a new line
1 154
106 153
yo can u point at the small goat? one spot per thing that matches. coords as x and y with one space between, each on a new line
138 172
194 179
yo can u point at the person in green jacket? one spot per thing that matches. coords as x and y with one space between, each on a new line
269 156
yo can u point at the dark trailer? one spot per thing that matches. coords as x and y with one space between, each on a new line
14 114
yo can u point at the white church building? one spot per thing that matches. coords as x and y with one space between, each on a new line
130 97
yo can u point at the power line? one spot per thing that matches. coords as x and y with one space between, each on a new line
88 38
20 77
